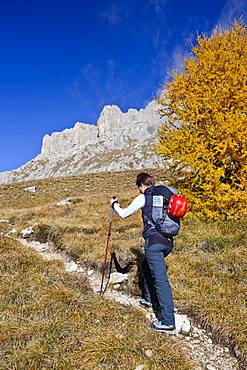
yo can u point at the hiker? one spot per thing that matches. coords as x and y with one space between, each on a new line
156 247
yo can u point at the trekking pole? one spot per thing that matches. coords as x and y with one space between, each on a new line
106 251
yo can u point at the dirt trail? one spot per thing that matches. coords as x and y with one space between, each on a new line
197 342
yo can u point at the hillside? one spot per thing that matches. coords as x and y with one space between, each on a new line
207 270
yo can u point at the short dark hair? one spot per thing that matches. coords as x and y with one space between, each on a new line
145 179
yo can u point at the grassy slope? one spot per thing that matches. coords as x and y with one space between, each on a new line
209 276
50 320
207 267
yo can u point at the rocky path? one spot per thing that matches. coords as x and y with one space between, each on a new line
196 341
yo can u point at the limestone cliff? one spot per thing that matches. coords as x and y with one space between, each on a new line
119 141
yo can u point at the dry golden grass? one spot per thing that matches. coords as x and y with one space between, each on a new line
207 268
51 320
208 271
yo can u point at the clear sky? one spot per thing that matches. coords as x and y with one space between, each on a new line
63 60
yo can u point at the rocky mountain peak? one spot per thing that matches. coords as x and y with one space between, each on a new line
69 139
118 141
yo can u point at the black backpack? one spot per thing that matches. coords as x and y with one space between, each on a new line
164 224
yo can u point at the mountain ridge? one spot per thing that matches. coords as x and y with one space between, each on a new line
119 141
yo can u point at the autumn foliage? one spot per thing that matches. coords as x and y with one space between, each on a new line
205 132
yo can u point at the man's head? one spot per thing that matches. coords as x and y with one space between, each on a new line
144 179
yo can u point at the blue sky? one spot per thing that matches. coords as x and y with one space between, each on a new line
63 60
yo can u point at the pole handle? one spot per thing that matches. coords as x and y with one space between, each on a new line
111 214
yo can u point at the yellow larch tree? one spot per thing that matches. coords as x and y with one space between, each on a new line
205 131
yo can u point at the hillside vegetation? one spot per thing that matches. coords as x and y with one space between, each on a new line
50 319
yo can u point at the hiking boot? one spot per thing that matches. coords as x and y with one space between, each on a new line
147 305
168 329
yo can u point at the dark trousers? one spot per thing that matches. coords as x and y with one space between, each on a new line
159 290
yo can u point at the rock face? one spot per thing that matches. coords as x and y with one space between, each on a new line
119 141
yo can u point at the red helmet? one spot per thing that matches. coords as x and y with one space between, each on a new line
177 207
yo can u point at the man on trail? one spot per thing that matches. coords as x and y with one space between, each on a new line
157 247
